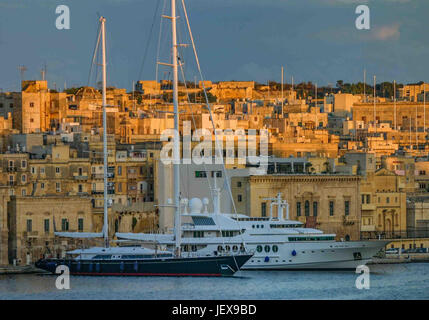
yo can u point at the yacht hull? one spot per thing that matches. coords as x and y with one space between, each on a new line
197 266
317 256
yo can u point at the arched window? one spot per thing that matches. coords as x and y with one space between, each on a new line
307 208
315 209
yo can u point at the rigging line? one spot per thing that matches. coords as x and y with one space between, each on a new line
97 44
204 164
159 43
149 39
214 127
207 100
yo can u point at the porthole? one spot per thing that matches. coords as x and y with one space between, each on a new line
257 226
267 248
219 248
227 248
242 249
235 248
259 248
275 248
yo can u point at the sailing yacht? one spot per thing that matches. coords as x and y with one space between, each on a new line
139 261
278 243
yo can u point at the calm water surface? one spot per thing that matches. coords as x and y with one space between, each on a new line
398 281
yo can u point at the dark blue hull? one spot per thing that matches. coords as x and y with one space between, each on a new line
197 266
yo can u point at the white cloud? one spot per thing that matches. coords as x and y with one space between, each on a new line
384 33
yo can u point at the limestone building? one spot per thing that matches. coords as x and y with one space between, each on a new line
327 202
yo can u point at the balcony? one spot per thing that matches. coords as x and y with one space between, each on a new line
30 234
11 169
132 175
367 228
110 175
83 176
368 206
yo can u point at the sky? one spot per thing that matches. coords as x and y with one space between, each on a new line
315 40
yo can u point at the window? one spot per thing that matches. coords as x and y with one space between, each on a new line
119 170
239 198
23 192
198 234
331 208
267 248
31 104
307 208
23 178
42 170
64 225
57 169
46 225
259 248
80 188
275 248
387 200
363 199
298 209
200 174
315 209
346 207
42 185
368 198
33 170
263 209
58 187
239 184
80 224
23 164
218 174
29 225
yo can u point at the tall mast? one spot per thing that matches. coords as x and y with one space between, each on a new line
424 108
394 101
282 90
103 46
176 148
364 85
375 117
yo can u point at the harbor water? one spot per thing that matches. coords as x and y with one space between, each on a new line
387 281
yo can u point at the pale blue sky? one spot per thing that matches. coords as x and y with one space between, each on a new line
236 40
